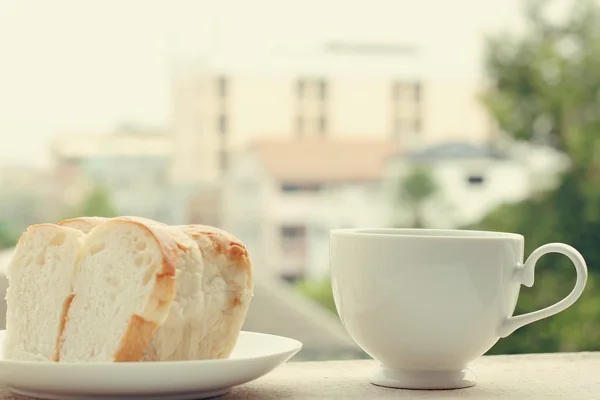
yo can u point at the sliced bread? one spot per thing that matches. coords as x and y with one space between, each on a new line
126 289
40 277
123 290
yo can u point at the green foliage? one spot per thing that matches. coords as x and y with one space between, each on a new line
96 204
557 216
8 238
414 190
576 329
417 186
546 90
546 82
318 291
554 217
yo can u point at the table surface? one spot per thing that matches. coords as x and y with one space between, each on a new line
565 376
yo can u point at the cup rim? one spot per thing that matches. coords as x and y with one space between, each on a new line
425 233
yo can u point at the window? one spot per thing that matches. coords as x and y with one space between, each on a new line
399 92
300 89
293 239
475 180
300 124
406 108
322 125
405 92
292 232
303 187
222 124
312 94
417 92
223 160
322 89
417 125
222 86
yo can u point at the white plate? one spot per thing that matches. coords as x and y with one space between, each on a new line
255 355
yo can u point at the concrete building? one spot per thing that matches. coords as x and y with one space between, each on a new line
26 197
337 89
282 196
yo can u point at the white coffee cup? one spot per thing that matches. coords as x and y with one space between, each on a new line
425 303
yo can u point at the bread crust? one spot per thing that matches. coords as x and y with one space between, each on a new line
222 243
84 224
63 323
136 339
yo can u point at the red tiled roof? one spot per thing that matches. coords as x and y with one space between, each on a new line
314 160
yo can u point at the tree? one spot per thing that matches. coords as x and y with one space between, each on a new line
319 291
546 90
414 190
96 204
7 237
546 87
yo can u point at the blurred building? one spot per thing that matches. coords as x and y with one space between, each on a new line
361 90
132 165
282 196
472 179
26 197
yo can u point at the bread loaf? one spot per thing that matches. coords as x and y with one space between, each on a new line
136 290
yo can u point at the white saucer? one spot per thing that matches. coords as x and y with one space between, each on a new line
255 355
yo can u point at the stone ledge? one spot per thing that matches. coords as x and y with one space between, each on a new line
564 376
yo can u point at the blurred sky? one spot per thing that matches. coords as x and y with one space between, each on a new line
84 66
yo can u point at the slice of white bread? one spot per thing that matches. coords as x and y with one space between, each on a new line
212 298
40 276
123 290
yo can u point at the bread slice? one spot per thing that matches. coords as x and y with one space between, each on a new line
123 290
212 298
40 276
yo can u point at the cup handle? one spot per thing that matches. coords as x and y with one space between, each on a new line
525 274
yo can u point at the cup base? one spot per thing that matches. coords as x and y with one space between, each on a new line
422 380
